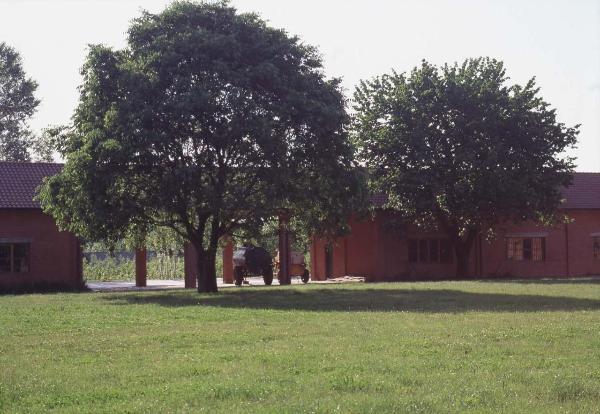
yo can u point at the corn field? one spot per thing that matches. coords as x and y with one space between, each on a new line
161 267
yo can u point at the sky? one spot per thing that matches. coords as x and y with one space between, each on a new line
557 41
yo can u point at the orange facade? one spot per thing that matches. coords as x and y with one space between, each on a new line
374 251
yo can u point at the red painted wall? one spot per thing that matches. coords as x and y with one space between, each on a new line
55 256
374 251
495 263
581 261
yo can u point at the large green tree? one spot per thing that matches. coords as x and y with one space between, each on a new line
210 121
459 149
17 105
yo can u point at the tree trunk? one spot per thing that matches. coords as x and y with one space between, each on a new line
462 251
207 273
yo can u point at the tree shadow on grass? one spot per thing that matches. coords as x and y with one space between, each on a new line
558 281
359 300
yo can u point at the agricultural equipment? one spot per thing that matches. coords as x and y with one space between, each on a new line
252 261
297 266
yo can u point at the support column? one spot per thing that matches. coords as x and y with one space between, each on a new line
140 267
284 250
228 262
313 259
190 265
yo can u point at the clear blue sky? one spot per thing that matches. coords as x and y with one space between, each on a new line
557 41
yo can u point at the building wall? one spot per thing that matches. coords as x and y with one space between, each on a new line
579 238
495 263
378 253
55 256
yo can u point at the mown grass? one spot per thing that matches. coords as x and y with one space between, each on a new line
411 347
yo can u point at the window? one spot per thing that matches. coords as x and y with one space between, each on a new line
526 249
596 240
14 257
429 251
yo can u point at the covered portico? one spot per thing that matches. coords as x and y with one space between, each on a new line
191 259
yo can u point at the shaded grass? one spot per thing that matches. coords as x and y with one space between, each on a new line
410 347
349 299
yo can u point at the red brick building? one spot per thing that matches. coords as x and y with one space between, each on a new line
566 250
33 252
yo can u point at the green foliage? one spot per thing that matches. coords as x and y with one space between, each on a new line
109 269
209 122
168 263
457 147
468 347
161 267
51 141
267 236
164 241
17 105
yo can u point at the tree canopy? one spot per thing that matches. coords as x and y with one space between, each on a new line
210 121
17 105
458 148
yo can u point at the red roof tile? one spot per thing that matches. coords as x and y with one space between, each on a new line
19 182
584 192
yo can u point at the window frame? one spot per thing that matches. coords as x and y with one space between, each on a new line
420 250
12 243
525 248
596 246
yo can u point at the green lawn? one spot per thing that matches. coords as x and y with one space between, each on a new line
410 347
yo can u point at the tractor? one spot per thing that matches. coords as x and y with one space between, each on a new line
252 261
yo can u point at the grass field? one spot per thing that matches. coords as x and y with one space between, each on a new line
411 347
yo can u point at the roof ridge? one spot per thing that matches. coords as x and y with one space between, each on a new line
31 163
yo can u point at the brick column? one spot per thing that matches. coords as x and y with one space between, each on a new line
284 250
140 267
313 259
228 262
190 265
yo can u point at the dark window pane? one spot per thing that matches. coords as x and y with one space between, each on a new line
434 250
423 251
544 248
5 257
413 251
596 247
21 257
527 249
445 251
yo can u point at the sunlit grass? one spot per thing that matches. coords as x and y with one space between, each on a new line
413 347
